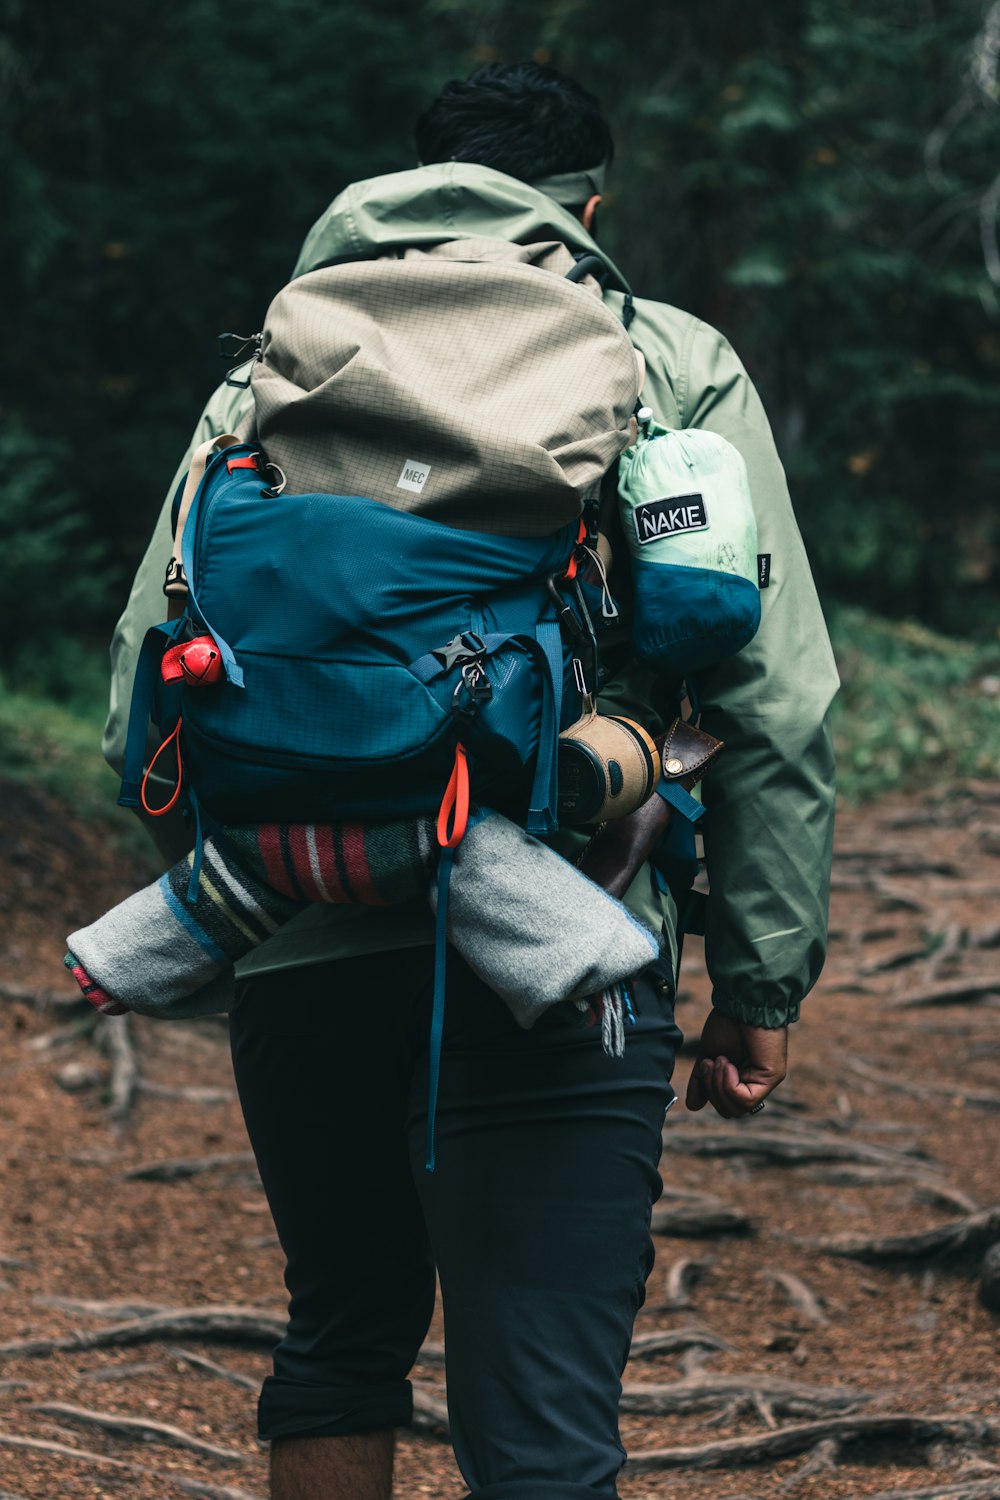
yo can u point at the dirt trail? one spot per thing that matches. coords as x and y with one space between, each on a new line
888 1126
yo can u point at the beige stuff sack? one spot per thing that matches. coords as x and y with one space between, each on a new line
471 383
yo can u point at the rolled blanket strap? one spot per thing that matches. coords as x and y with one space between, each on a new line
533 928
159 954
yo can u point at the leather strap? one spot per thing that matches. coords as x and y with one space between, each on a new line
618 850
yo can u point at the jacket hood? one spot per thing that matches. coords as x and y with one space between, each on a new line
447 201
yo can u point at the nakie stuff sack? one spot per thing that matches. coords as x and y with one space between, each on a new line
688 519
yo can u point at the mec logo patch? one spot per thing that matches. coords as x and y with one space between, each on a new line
659 518
413 476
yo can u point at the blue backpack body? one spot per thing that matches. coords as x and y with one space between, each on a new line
360 645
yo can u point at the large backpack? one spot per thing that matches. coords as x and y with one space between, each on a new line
384 567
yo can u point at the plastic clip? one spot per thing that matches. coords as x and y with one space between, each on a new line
477 688
241 347
568 621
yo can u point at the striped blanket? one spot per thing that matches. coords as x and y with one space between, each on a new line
525 920
162 947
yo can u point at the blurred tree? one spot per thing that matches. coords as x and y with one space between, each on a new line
818 178
159 168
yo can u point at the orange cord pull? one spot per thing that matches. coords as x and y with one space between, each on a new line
455 803
581 537
158 812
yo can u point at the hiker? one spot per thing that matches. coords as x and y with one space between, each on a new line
536 1219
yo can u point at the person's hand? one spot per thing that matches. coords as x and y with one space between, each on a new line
737 1066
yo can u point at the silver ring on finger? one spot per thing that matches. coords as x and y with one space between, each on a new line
756 1109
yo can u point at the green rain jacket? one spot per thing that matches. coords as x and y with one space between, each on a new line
770 798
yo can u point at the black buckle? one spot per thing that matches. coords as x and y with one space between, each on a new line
467 647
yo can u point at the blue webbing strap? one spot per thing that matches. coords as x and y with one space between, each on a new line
146 672
428 667
545 787
677 849
437 1010
545 647
681 800
234 672
191 894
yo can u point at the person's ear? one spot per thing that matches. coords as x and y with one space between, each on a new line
589 210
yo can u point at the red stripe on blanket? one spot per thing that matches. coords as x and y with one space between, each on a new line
269 843
299 846
365 889
99 999
328 864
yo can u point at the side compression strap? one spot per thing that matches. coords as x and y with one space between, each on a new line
146 672
445 863
545 787
544 646
234 672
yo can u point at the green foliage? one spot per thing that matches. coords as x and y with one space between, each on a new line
50 568
916 709
813 177
55 747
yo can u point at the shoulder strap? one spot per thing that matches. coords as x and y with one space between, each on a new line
175 587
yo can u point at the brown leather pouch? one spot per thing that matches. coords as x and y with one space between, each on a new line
617 850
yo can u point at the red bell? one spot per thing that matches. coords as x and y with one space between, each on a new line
197 662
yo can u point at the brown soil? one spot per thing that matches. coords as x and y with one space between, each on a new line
916 894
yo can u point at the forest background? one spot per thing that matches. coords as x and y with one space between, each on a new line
817 178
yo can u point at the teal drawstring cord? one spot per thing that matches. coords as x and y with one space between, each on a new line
437 1012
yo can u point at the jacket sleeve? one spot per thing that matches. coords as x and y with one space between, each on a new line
768 829
146 605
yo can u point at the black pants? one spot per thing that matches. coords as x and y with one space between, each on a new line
536 1218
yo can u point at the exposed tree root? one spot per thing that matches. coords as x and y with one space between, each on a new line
109 1373
901 862
174 1480
118 1307
199 1361
644 1345
62 1450
823 1459
899 958
970 1489
229 1325
939 1195
734 1452
893 896
681 1280
430 1411
974 1232
675 1341
116 1038
173 1169
789 1145
705 1392
693 1220
801 1296
39 999
947 992
977 1098
189 1093
862 1176
989 1280
139 1430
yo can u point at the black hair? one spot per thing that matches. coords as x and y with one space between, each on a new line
520 118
